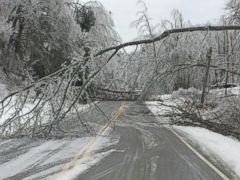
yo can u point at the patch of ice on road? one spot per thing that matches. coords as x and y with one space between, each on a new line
225 148
83 165
49 154
45 174
73 147
28 159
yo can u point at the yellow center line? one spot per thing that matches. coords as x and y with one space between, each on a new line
85 152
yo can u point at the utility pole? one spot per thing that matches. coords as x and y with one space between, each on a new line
228 58
227 76
205 80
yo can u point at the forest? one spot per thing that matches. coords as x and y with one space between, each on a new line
56 55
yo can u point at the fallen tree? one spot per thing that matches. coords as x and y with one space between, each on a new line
219 114
55 96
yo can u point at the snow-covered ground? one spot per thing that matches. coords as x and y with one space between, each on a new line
226 149
10 108
235 90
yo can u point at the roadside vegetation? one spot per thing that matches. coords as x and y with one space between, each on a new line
56 55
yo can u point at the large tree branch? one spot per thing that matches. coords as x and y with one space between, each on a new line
132 43
54 92
168 33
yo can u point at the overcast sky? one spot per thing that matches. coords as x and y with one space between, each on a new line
197 11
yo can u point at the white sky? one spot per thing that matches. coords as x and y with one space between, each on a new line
197 11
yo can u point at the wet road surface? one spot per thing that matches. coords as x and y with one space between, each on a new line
147 151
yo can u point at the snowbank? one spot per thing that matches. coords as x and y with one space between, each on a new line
225 148
9 110
158 108
219 92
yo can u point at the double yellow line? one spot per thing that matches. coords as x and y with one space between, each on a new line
113 120
85 152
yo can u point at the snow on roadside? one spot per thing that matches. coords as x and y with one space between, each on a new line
221 92
10 109
225 148
160 108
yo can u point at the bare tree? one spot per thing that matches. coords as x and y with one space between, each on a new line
58 96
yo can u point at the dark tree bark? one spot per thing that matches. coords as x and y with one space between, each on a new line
205 81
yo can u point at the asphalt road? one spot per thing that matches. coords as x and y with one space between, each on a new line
147 151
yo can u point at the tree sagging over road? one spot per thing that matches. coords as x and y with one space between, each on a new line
41 106
58 94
